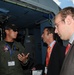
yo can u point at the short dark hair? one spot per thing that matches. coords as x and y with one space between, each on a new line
51 30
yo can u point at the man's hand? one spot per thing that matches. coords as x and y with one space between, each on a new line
22 57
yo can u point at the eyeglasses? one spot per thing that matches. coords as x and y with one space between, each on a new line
15 30
57 24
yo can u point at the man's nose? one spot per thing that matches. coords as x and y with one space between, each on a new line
56 30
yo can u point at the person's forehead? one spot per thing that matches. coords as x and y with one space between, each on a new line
58 17
9 29
45 30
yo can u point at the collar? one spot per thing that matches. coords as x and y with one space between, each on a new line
71 39
52 43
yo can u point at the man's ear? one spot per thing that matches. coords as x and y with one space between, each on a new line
68 20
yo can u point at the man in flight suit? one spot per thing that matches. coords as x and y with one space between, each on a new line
12 53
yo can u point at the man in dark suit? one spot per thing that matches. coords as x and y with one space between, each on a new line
64 24
57 52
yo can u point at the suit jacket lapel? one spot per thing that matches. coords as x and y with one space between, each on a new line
66 60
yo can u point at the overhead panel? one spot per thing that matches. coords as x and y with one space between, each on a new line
30 4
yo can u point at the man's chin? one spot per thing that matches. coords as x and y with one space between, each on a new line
14 38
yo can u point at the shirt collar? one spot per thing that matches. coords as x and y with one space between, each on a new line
52 43
71 39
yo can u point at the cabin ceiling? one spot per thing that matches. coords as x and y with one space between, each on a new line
22 16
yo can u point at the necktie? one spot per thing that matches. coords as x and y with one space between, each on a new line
48 55
67 48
